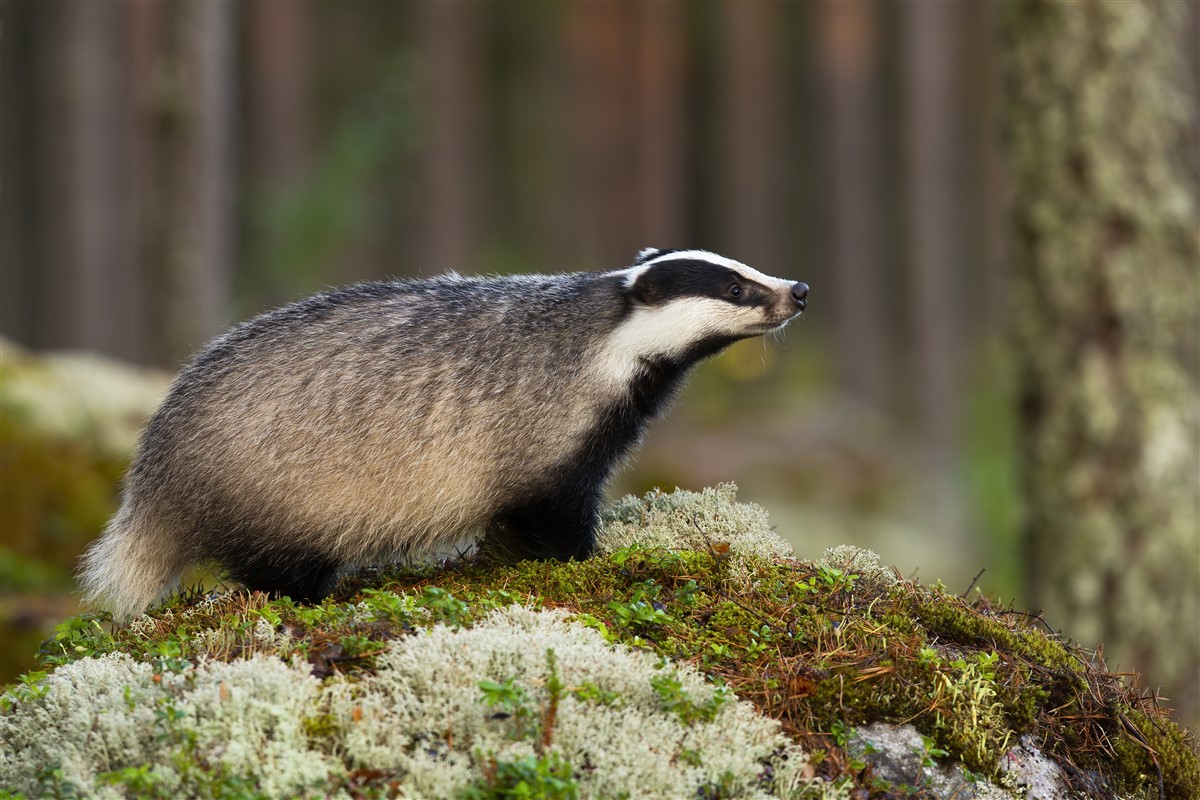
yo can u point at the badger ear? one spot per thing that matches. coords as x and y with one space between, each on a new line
647 253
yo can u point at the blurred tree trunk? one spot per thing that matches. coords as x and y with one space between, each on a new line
752 132
19 156
455 145
983 163
932 155
193 115
86 286
849 38
1105 313
663 143
601 57
279 122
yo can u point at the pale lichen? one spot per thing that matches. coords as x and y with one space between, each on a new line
858 561
98 716
428 718
424 714
684 520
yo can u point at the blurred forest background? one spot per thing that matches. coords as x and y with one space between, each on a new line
170 168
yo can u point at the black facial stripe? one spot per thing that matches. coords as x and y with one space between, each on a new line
673 279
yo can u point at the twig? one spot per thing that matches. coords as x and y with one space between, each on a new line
974 581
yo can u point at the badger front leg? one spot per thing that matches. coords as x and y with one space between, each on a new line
557 526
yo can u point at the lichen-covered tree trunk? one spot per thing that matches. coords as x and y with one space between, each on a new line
1106 261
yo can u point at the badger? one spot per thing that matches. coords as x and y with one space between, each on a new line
380 421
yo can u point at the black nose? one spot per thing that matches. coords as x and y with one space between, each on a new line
800 294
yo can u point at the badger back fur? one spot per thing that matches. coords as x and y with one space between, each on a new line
381 420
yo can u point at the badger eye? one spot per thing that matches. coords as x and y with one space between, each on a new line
735 291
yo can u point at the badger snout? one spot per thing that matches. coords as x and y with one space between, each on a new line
800 294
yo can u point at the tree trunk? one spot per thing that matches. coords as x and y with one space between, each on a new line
662 118
602 57
455 147
850 43
279 123
19 157
193 118
752 131
934 198
85 274
1104 306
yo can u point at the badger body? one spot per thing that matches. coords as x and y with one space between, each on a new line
383 420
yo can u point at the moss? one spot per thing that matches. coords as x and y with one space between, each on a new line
67 427
320 727
1155 751
55 496
952 619
442 711
817 647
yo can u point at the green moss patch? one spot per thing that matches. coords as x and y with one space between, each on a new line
819 647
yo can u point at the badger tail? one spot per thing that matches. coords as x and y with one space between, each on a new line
132 565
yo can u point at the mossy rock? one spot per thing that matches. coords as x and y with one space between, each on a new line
68 427
716 672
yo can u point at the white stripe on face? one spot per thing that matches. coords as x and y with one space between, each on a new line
749 273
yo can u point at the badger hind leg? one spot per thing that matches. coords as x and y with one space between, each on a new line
558 526
303 575
134 563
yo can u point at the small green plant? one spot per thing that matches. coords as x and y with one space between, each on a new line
141 781
675 699
718 651
168 713
760 641
840 732
271 615
806 586
932 753
656 557
636 614
30 686
170 648
77 637
724 786
444 606
687 595
52 783
508 695
357 645
643 608
591 693
547 776
511 701
987 662
389 605
929 656
835 579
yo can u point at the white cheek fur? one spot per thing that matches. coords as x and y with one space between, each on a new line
668 330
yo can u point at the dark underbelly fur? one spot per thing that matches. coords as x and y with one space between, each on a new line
305 576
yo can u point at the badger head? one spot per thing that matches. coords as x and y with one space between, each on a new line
685 305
